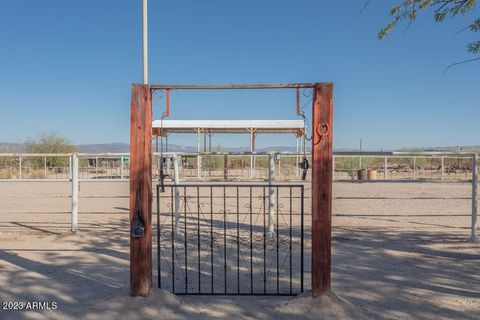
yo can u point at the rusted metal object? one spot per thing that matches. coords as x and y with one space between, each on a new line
322 178
167 109
141 190
362 174
297 94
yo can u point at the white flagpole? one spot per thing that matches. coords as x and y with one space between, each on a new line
145 42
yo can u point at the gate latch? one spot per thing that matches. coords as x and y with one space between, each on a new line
162 176
138 225
304 165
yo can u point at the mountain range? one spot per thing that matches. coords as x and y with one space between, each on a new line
118 147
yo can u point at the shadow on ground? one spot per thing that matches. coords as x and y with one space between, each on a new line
379 274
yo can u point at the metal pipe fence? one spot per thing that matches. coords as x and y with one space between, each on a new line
235 167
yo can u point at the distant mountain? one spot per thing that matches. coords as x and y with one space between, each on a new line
11 147
86 148
117 147
469 149
104 148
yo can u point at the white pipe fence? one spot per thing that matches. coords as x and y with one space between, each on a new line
473 236
78 167
75 187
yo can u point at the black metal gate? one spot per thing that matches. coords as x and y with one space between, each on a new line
231 239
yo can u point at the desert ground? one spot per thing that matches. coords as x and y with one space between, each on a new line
399 252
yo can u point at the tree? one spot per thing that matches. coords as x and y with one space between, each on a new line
4 160
51 142
407 10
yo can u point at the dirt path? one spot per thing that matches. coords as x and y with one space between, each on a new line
393 258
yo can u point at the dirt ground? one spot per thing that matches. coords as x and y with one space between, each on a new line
399 252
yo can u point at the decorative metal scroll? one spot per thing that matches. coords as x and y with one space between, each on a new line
222 246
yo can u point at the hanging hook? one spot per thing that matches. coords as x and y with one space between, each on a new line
321 134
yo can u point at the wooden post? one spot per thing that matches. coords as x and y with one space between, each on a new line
322 179
141 179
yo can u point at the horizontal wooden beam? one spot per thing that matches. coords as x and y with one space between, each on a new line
230 86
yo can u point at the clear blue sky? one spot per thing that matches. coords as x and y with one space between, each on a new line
68 66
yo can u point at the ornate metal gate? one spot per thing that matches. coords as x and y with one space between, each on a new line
221 239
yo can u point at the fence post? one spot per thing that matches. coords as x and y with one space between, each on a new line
45 166
322 181
297 159
271 194
225 167
70 168
385 169
473 236
74 193
279 170
169 164
20 167
442 170
252 149
176 182
333 167
199 159
414 168
121 167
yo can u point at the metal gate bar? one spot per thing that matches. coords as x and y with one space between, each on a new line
217 239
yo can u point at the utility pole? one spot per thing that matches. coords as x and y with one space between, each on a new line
145 41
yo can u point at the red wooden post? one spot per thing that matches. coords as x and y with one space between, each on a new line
141 188
322 179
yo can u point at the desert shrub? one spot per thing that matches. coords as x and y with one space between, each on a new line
50 142
350 165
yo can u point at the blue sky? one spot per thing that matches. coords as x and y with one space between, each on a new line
68 66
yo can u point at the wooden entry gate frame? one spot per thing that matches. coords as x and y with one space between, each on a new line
141 180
